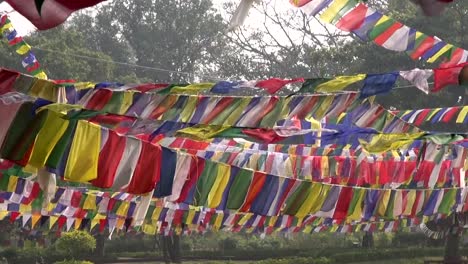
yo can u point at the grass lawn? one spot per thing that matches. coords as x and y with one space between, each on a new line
395 261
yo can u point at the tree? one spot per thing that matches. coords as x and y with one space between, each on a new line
76 244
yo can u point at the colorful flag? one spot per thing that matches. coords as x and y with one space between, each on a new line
52 12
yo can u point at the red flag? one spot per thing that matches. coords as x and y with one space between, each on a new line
53 12
274 84
7 79
354 19
456 57
446 76
299 3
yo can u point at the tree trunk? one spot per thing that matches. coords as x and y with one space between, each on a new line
171 248
165 249
100 245
368 240
452 246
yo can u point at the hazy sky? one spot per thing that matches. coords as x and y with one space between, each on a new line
23 26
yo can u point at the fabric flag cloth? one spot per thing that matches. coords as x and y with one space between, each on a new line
241 14
354 19
311 7
274 85
7 79
378 84
339 83
447 76
53 12
418 78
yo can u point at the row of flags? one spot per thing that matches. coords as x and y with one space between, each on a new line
29 61
370 25
84 209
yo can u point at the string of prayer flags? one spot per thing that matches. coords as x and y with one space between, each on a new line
459 114
29 61
370 25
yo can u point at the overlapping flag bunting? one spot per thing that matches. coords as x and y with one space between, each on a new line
29 61
189 162
370 25
84 209
78 151
459 114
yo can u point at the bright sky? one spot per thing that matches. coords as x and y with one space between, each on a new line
23 26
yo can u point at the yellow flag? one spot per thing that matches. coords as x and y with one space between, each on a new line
310 200
50 133
357 213
315 124
94 222
12 184
192 88
25 208
332 11
156 213
149 229
5 27
244 219
383 203
307 229
127 101
202 132
60 108
84 85
44 89
52 220
386 142
434 112
324 107
78 223
273 220
84 153
325 167
440 53
188 109
339 83
123 208
190 216
41 75
216 194
23 49
218 221
462 115
90 202
320 199
3 214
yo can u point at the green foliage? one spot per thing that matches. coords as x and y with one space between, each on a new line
73 262
381 254
25 255
228 243
296 261
120 244
76 244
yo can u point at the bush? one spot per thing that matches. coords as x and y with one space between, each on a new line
296 261
380 254
73 262
26 255
228 244
76 244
